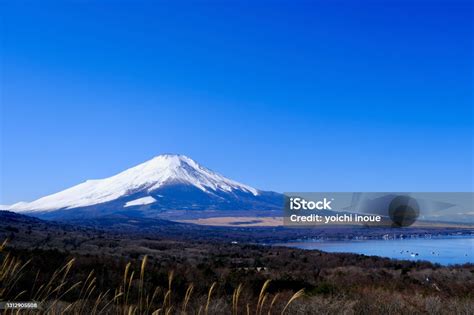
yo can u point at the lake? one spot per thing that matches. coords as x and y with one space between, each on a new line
442 250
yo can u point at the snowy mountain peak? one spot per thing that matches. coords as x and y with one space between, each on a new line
160 171
167 168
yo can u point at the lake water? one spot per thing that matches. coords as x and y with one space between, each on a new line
445 251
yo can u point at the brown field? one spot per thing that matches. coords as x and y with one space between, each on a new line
238 221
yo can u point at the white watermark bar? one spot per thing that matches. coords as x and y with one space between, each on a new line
384 209
24 305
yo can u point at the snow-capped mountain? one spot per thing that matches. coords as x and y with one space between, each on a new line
166 182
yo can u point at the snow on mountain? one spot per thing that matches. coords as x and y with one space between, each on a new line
140 201
142 179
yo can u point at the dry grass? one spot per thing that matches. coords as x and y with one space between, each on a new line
134 293
132 296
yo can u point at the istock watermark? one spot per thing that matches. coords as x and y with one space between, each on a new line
298 203
385 209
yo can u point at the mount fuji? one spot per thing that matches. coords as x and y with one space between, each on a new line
166 182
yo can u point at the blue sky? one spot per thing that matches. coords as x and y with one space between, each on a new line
280 95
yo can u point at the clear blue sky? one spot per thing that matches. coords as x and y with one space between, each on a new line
280 95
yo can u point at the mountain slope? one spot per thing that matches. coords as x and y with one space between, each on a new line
166 182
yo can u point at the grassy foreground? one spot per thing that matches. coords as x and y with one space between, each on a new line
133 296
59 292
